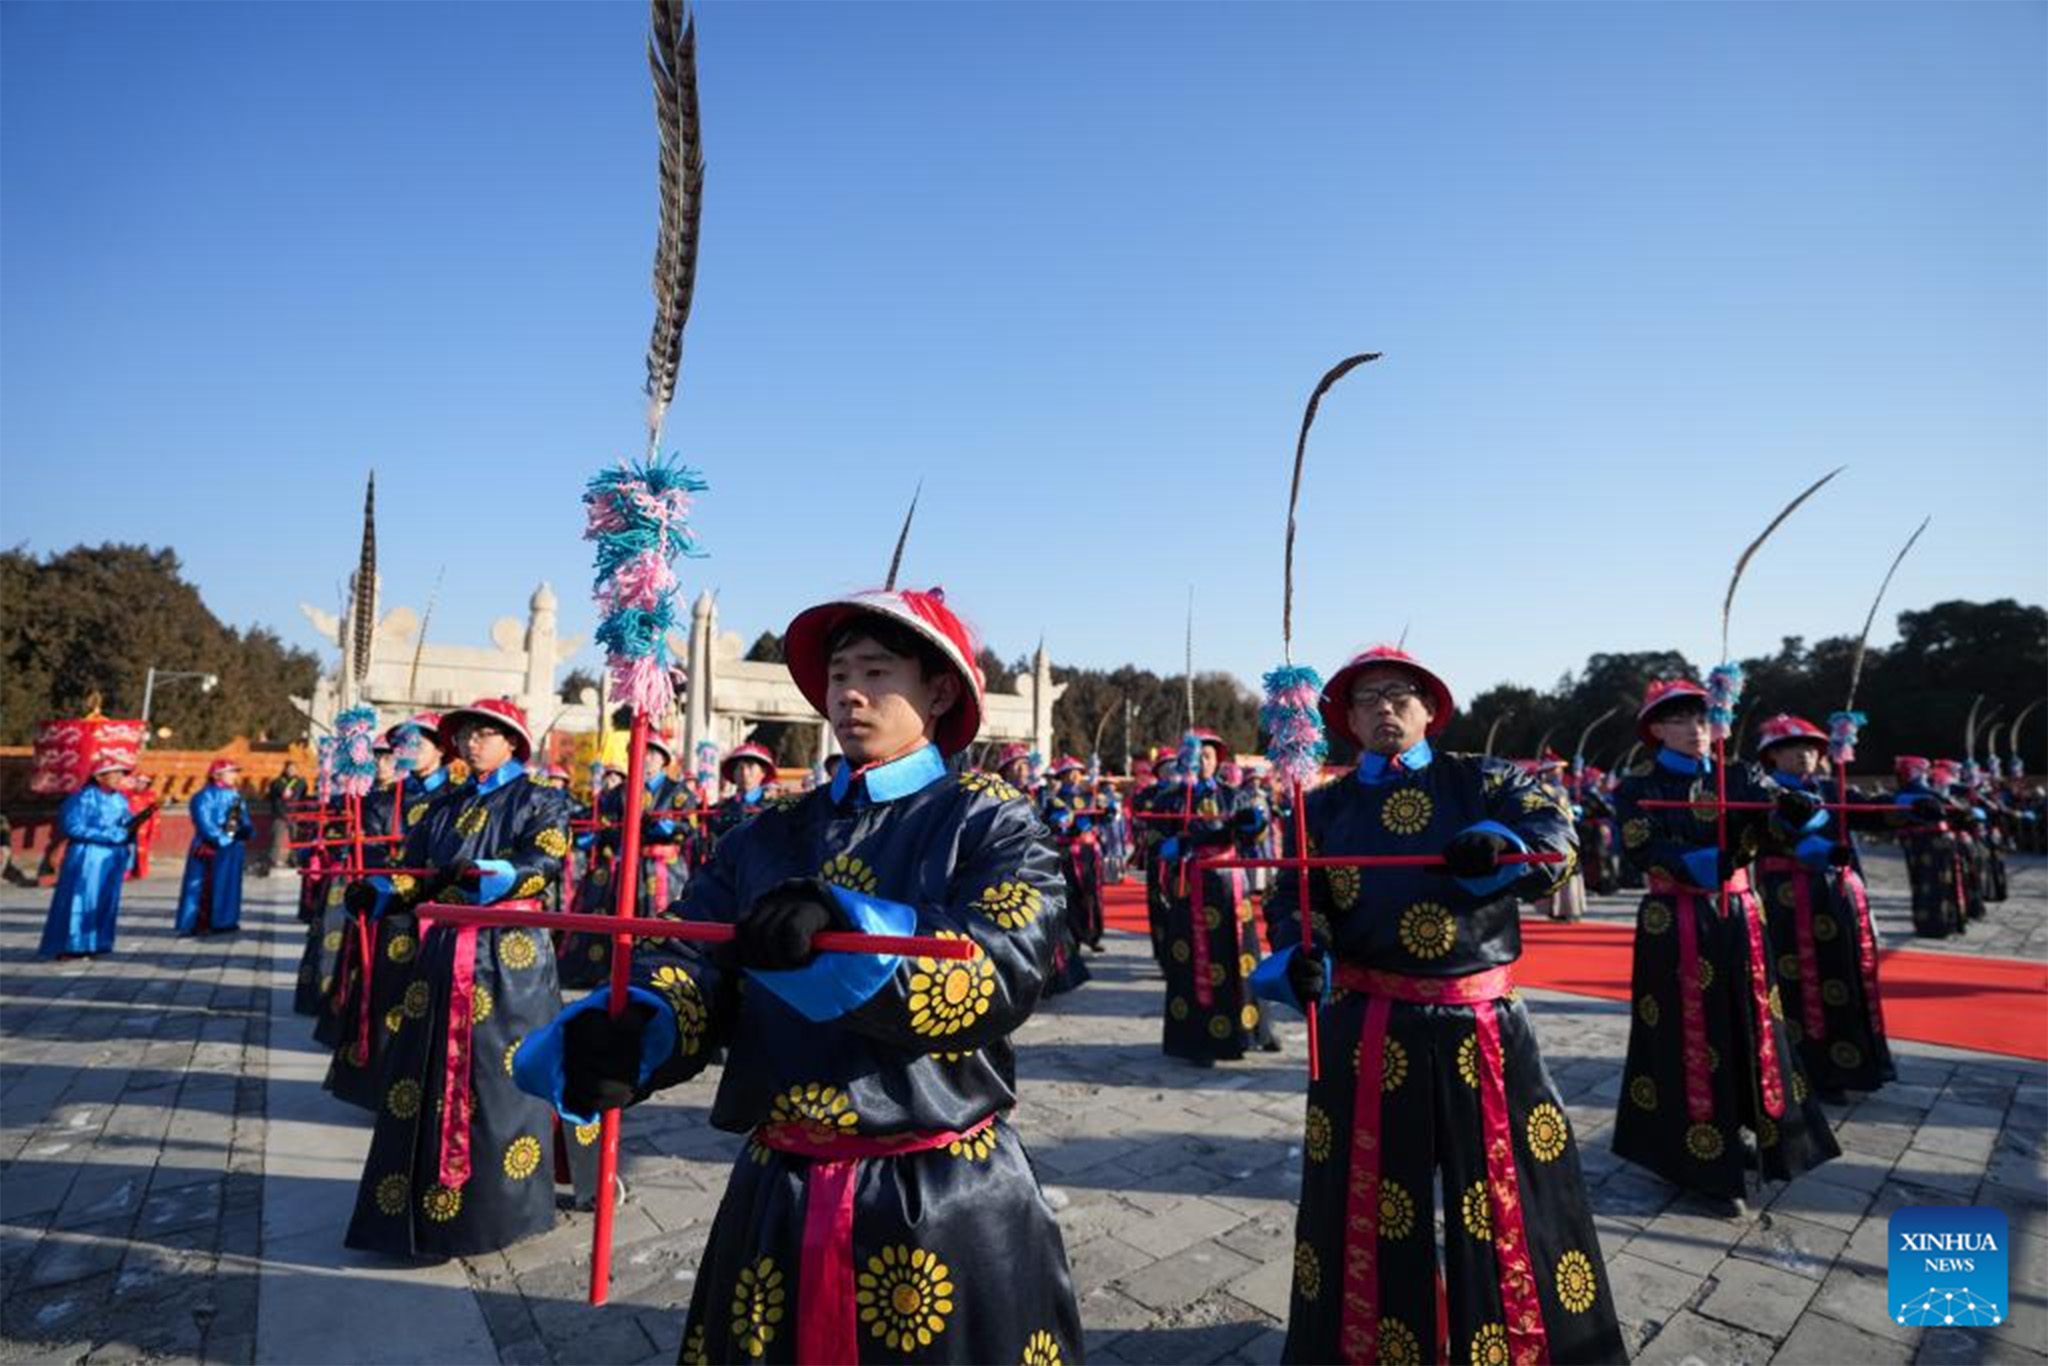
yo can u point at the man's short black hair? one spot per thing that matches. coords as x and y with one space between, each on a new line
893 636
1685 704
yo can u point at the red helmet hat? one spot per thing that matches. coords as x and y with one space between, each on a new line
1945 770
1661 692
1336 700
926 614
1009 754
1067 763
1910 767
501 712
216 768
1785 728
1214 741
728 767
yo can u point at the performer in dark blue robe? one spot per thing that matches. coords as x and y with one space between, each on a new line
1926 828
1817 913
210 899
96 823
460 1162
1431 1074
377 953
586 959
1209 1013
1158 813
748 769
884 1208
1708 1055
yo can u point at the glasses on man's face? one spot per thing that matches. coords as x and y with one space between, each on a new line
1395 695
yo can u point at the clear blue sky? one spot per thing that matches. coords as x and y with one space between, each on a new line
1640 272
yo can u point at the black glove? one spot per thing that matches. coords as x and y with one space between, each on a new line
1475 853
1729 864
775 934
1305 975
1249 820
1796 808
1928 809
1209 834
1841 856
601 1058
360 898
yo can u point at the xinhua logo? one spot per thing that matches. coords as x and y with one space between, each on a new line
1947 1265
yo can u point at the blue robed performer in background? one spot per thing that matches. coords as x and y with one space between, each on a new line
210 901
96 821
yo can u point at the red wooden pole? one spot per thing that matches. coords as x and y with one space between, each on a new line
1666 804
1308 923
628 879
692 931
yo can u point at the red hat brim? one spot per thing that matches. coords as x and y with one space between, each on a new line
1649 708
1335 703
803 647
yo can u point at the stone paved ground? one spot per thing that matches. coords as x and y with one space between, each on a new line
175 1181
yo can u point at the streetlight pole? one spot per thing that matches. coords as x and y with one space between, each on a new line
207 683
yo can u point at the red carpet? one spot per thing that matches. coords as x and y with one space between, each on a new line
1992 1005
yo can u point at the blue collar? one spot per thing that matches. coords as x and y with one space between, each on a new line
900 777
1672 761
431 783
509 771
655 779
1804 784
752 798
1374 769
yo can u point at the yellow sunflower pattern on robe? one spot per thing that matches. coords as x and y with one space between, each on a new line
1398 1344
694 1352
522 1157
471 822
403 1099
1316 1134
1477 1208
532 885
552 842
904 1296
1397 1211
1407 811
1012 905
1704 1142
1042 1350
758 1301
1490 1345
679 989
1642 1093
1576 1284
481 1005
1656 917
974 1147
1648 1011
1308 1271
415 1000
979 782
821 1109
393 1192
1635 833
1468 1060
441 1203
516 950
948 995
851 872
402 948
1547 1132
1427 930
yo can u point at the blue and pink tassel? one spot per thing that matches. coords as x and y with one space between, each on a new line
1843 729
638 516
1724 691
355 758
1292 718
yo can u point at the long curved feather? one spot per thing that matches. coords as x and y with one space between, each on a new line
672 59
902 539
1543 743
363 618
1579 750
1728 602
1991 744
1494 730
1970 728
1308 419
419 647
1863 641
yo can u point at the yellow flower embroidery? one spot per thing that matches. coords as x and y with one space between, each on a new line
403 1099
1177 1008
848 871
441 1203
1656 917
1799 1091
757 1306
1788 965
471 822
1398 1346
1636 833
1042 1350
552 841
402 948
522 1157
1845 1055
415 1001
1407 811
1576 1284
587 1134
1012 905
1490 1345
1308 1271
819 1108
1648 1011
1316 1134
904 1297
415 813
1219 1026
1427 930
977 781
1548 1134
1393 1066
1703 1141
1766 1132
1248 1017
1468 1060
948 995
1344 887
1477 1208
393 1018
1180 950
974 1147
1834 993
1706 973
512 1054
392 1193
680 991
480 1004
693 1353
1397 1211
532 885
1643 1092
516 950
331 941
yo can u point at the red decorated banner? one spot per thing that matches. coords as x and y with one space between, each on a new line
66 751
